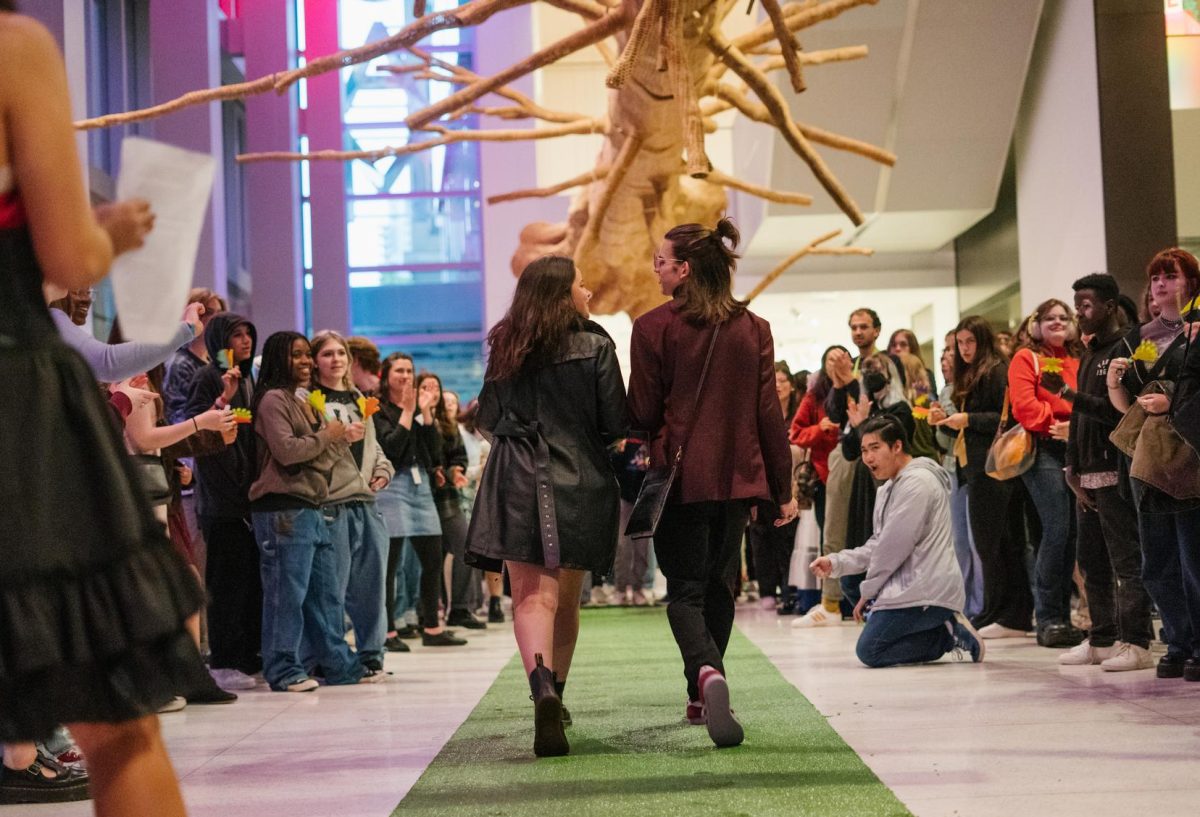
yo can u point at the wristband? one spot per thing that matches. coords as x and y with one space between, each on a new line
195 426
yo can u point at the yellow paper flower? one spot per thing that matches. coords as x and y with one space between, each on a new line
1052 365
316 399
227 357
1146 352
920 413
242 415
368 406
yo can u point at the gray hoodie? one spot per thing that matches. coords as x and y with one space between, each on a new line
909 561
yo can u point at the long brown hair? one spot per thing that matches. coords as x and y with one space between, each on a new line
538 323
707 291
385 371
987 357
447 426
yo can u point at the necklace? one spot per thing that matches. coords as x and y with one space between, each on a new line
1173 325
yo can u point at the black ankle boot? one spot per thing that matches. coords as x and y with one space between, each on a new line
549 739
495 611
560 687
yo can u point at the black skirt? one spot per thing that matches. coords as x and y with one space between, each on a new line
92 596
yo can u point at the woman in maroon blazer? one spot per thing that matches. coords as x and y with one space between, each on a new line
737 451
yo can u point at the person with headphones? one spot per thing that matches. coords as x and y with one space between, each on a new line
1053 348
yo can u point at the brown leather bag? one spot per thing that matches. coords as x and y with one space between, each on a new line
1161 457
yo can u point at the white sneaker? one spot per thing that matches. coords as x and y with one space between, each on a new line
303 685
641 600
174 705
232 679
1084 654
619 598
599 597
1128 657
995 630
818 616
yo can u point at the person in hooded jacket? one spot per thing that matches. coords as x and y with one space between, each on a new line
223 482
913 585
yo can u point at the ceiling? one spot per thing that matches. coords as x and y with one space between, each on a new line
941 89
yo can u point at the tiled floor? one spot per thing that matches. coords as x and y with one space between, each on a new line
1016 735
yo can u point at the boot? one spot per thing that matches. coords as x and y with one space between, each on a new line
495 611
560 687
549 740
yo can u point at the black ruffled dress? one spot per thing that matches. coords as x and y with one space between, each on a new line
92 595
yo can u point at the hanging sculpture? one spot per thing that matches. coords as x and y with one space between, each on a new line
665 85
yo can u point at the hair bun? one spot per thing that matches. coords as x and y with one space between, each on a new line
726 230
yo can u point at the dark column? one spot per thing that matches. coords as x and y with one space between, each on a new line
1135 136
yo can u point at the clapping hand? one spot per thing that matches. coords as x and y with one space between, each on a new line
857 411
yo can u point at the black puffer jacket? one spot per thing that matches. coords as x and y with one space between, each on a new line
223 479
548 494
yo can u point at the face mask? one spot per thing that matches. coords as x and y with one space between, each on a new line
873 382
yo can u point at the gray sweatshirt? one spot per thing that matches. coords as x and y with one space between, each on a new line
909 561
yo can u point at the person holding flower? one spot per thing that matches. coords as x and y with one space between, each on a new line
1052 348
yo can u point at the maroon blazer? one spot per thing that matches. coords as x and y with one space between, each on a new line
739 446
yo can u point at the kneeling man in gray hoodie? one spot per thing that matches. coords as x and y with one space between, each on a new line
914 589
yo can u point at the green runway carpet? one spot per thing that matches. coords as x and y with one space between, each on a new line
631 752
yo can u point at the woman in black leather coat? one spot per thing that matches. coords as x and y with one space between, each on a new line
552 401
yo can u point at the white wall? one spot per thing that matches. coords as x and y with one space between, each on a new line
1060 197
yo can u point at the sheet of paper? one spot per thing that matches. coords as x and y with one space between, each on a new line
151 283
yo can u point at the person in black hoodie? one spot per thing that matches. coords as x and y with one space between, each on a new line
223 484
1109 551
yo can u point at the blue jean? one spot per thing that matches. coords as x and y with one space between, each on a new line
301 601
408 581
1171 574
908 635
964 547
1056 553
360 545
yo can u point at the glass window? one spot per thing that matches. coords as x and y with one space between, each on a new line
430 303
416 230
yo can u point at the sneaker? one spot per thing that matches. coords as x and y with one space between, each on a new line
232 679
966 639
694 714
767 603
996 630
640 599
619 598
723 727
174 705
302 685
1128 657
495 614
463 618
599 597
818 616
1084 654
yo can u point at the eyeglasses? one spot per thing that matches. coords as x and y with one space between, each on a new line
659 260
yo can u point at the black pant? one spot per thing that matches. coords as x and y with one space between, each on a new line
698 546
772 549
429 552
1110 556
234 585
1007 597
454 543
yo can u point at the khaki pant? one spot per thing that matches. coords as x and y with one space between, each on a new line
837 515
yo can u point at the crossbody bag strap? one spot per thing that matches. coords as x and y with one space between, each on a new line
699 389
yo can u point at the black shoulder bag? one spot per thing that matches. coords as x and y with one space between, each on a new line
652 497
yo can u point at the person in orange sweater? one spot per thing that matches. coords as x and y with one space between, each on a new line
1053 348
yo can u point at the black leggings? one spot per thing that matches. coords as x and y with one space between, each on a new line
429 552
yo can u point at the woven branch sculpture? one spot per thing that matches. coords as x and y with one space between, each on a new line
667 80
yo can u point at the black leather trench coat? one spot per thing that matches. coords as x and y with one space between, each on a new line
548 494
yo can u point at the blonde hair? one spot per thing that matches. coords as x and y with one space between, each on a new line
914 372
320 341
